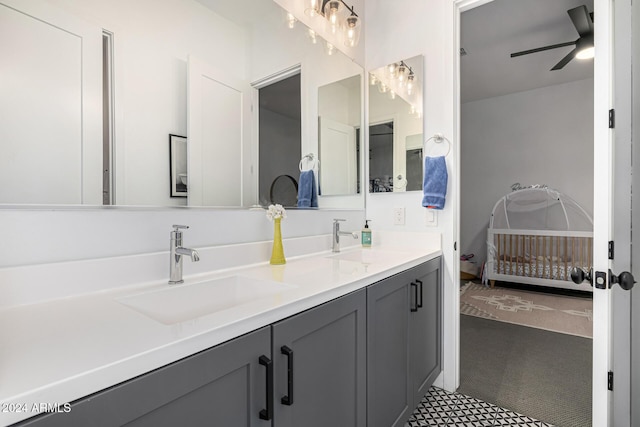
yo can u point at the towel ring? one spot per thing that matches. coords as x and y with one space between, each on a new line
438 138
310 158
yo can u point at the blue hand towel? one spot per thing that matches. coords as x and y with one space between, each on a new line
434 185
307 194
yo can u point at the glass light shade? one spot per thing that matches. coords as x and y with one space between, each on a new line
312 36
329 48
332 13
373 80
313 8
401 75
410 84
392 94
352 31
382 87
290 20
392 70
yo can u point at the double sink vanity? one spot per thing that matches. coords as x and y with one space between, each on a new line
328 339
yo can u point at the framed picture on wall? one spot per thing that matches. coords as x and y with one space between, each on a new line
178 165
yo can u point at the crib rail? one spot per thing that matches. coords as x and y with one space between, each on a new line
538 254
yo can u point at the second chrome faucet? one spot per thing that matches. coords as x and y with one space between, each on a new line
335 246
177 252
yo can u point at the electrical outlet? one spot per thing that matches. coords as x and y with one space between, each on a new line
398 216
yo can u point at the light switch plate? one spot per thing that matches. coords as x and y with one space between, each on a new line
431 217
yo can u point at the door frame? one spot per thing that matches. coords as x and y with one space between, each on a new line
603 156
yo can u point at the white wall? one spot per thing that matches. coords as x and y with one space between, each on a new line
44 235
541 136
403 29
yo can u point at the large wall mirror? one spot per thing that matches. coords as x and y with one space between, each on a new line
104 119
395 126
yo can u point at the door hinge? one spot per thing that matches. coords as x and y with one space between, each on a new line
611 249
610 381
612 118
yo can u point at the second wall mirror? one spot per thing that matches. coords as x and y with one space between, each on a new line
395 126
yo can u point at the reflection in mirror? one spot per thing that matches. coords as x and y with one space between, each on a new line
279 130
395 127
293 150
339 115
52 107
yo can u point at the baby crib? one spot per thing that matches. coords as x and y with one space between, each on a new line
536 236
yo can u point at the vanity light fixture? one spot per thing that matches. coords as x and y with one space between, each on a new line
398 79
399 76
339 16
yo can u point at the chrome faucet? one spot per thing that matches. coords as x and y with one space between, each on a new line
335 246
177 252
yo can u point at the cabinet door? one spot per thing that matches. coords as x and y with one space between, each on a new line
320 365
390 400
425 329
223 386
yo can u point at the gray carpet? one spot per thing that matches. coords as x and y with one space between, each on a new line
541 374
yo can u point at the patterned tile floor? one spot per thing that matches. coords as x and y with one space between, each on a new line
441 408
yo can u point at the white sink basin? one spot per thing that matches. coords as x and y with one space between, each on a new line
179 303
364 256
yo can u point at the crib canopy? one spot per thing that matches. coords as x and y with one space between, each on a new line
539 209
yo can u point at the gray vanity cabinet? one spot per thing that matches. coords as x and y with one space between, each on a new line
403 342
320 365
222 386
362 360
426 329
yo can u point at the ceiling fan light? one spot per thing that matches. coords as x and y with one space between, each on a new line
586 53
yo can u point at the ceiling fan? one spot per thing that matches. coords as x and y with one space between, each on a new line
583 21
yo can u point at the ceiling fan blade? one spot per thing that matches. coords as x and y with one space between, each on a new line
540 49
581 20
564 61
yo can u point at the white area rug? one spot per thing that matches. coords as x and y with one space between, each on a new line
552 312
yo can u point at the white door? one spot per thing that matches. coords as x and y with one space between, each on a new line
622 218
338 155
51 106
611 330
603 302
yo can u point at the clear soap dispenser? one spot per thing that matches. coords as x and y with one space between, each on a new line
365 235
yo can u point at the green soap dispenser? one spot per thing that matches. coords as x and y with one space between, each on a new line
365 235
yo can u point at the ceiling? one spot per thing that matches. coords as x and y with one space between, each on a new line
491 32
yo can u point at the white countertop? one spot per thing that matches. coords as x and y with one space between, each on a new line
59 350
